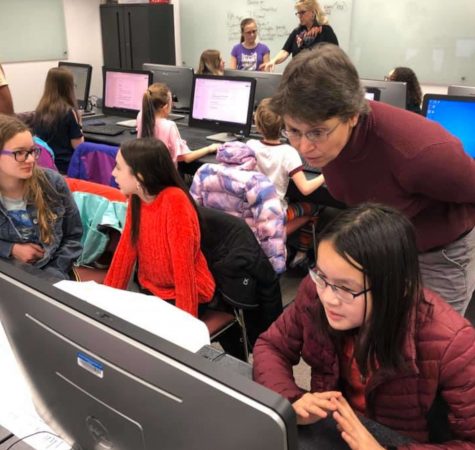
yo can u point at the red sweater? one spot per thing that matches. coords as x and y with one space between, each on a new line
171 264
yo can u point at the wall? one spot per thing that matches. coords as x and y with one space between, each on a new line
83 33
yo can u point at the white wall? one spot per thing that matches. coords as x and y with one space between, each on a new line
83 33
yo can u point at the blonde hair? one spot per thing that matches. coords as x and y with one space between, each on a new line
314 6
38 189
154 98
268 122
210 63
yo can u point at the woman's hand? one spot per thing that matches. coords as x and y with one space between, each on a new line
267 67
312 407
352 430
27 253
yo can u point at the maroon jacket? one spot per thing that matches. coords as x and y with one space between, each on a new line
439 351
401 159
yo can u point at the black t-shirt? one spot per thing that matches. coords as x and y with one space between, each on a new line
296 41
59 138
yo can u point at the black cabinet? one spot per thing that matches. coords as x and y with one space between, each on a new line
133 34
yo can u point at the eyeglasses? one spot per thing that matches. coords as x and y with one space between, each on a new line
341 293
300 13
22 155
318 136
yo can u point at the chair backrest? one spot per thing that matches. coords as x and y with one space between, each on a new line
46 158
93 162
247 194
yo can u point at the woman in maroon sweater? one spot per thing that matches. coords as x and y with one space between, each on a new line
376 342
162 230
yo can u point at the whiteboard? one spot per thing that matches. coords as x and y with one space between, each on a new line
32 30
436 38
216 24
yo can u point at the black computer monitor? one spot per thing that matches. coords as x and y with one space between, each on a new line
266 82
224 104
178 79
456 114
372 93
461 90
101 382
123 91
392 92
82 81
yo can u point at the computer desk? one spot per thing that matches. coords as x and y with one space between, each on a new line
196 138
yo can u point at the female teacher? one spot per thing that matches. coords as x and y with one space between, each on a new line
313 29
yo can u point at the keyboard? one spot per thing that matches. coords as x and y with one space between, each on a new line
194 143
108 130
132 123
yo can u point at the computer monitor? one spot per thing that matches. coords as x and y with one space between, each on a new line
392 92
266 82
456 114
178 79
101 382
372 93
82 81
123 91
461 90
224 104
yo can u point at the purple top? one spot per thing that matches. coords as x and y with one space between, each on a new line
249 59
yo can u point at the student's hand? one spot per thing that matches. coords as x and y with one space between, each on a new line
27 253
352 430
213 148
312 407
267 67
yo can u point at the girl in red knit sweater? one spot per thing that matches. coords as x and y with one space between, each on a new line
162 230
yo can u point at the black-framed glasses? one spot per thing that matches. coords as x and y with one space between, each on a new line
300 13
318 135
22 155
341 293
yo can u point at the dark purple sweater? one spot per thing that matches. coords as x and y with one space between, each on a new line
404 160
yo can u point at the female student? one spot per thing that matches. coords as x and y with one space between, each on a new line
376 341
152 122
211 63
56 118
249 54
280 163
39 221
414 91
162 230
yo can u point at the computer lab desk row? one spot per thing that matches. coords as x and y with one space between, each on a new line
196 138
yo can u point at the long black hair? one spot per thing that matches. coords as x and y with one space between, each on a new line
381 240
150 161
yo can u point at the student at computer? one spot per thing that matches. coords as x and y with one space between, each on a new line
376 341
414 91
162 229
313 28
280 163
249 54
56 119
372 151
152 122
6 102
211 63
39 221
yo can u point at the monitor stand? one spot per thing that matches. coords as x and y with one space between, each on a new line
222 137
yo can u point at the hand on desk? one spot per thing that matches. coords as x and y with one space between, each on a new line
312 407
352 430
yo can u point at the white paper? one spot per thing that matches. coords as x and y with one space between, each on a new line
146 311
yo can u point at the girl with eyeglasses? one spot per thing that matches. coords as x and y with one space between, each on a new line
313 28
378 344
249 54
39 221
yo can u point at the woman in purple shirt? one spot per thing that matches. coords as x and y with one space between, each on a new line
249 54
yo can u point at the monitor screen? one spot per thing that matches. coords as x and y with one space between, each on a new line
101 382
392 92
223 104
266 82
82 81
456 114
178 79
123 91
461 90
372 93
